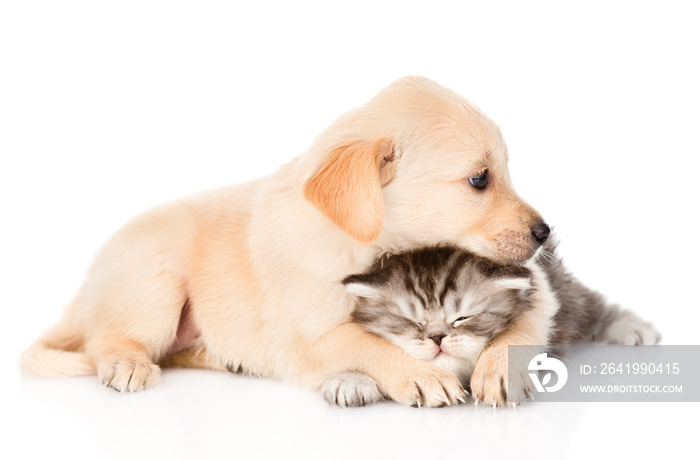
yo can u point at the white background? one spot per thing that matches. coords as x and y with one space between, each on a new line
108 108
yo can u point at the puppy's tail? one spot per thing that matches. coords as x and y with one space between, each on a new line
57 354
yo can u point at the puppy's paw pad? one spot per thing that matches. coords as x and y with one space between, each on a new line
351 389
124 374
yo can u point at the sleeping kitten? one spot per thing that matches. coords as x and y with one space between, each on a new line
443 305
440 304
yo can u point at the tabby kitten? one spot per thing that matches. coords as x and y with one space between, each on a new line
440 304
443 305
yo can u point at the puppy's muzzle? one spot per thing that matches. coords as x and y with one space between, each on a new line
540 233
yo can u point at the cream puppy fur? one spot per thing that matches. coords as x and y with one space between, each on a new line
250 274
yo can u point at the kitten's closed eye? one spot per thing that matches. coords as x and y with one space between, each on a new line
461 320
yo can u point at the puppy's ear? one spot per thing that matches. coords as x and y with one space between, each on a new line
347 187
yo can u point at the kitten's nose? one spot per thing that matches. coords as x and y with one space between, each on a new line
541 232
437 338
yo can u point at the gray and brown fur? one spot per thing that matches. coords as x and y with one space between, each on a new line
584 315
433 282
412 296
419 300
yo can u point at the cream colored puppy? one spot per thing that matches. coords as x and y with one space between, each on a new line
251 273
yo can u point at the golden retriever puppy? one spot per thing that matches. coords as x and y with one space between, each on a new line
252 272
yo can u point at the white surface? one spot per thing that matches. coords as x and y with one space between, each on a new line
106 110
214 415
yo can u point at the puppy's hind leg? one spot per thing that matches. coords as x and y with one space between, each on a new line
127 339
132 306
125 365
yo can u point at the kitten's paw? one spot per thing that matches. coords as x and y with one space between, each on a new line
125 374
489 382
352 389
626 328
425 385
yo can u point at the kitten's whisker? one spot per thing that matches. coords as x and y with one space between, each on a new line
546 255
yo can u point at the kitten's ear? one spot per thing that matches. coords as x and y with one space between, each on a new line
347 187
520 284
359 288
361 291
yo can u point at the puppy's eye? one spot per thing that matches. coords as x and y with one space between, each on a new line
479 181
461 320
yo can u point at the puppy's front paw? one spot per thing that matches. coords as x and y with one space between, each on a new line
425 385
125 374
489 383
351 389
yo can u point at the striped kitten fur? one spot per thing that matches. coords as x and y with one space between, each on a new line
440 304
443 304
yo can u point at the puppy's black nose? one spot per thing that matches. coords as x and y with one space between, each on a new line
541 232
437 338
